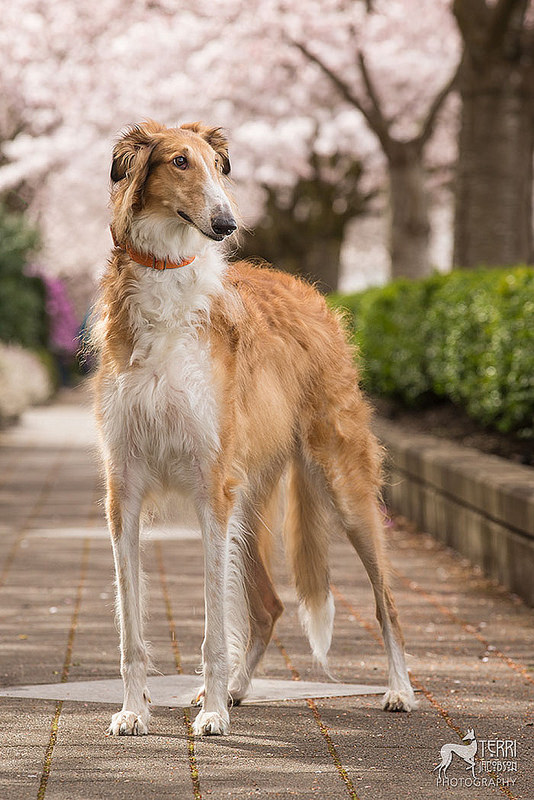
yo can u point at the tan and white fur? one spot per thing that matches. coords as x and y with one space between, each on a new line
220 380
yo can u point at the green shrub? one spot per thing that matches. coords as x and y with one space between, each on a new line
22 297
467 336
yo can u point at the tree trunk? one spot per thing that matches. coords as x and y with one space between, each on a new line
321 263
493 220
409 219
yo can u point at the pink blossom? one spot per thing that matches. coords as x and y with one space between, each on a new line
74 74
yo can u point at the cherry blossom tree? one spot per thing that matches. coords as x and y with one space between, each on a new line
403 137
75 81
302 227
393 62
368 79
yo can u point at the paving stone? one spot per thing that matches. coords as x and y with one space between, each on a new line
176 691
470 645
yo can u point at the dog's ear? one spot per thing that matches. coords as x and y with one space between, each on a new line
129 172
132 147
216 138
131 164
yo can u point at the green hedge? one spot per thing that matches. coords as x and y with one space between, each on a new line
467 336
22 297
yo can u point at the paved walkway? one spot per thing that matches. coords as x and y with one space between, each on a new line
471 646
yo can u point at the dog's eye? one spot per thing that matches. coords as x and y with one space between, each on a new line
180 162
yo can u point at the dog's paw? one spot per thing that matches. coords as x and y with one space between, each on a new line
128 723
211 723
399 700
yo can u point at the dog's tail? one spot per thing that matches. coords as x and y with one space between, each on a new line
307 534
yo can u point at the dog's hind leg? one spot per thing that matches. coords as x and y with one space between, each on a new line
364 531
123 510
446 758
349 457
260 601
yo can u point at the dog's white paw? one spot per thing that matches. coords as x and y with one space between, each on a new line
211 723
128 723
399 700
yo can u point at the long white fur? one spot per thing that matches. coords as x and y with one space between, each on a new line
317 619
400 694
166 408
171 238
236 601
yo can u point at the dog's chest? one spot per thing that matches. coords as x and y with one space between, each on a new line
163 408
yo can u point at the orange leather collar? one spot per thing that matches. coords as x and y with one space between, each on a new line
147 260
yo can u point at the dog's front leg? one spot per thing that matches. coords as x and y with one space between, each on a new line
124 507
214 718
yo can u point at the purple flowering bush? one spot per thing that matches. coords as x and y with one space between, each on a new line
63 325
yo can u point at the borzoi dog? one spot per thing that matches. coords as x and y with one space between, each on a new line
219 379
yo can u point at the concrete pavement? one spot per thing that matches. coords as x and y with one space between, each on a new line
471 648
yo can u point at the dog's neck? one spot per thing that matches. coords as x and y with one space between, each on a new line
178 299
175 297
148 259
170 239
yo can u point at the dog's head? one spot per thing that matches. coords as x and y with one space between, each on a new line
172 177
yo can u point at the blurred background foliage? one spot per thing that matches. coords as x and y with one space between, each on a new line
23 317
370 141
26 366
303 226
466 336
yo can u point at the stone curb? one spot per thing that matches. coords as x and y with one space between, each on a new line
481 505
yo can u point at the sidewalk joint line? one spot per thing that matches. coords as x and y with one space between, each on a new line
343 774
14 464
193 765
416 682
23 528
466 626
47 763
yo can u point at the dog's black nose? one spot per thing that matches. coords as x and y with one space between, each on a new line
224 225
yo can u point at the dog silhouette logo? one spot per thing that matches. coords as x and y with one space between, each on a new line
465 751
